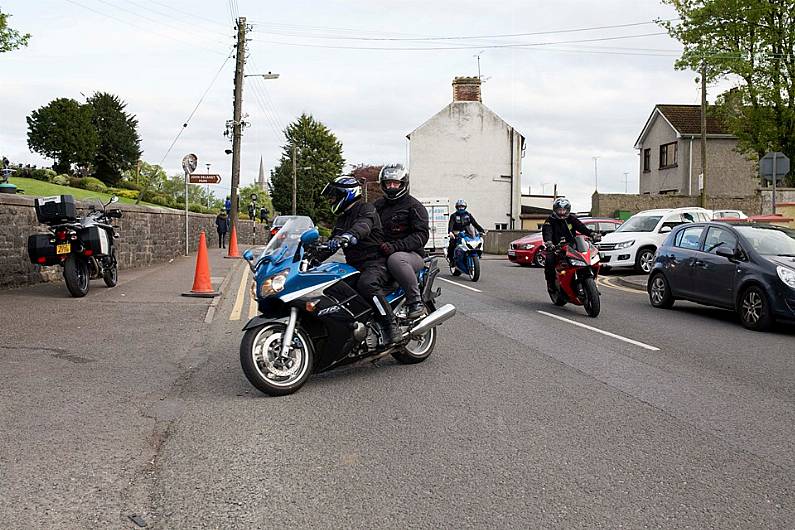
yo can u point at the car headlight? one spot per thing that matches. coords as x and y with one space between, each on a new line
624 244
528 246
787 275
274 284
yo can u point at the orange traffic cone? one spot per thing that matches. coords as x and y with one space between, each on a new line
233 252
202 285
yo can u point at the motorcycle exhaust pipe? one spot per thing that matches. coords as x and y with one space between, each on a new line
434 319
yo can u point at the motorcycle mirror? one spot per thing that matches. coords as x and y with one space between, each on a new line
248 255
310 236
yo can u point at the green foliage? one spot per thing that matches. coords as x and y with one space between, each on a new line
319 160
119 144
76 182
263 200
753 41
122 192
128 185
61 180
62 130
324 232
10 39
94 184
44 175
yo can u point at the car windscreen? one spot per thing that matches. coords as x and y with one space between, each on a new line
640 223
769 240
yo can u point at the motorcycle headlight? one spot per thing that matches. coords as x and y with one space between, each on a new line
624 244
578 263
274 284
787 275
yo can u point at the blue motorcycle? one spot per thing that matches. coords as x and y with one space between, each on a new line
467 254
312 319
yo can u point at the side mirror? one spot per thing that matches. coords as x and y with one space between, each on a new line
248 255
726 251
665 229
310 236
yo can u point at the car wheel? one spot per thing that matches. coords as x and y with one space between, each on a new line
644 260
660 292
539 259
754 309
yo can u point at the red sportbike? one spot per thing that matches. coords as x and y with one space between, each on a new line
576 270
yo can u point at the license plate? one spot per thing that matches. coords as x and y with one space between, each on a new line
511 252
64 248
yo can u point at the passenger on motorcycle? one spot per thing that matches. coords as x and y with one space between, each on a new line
359 233
406 230
459 221
562 224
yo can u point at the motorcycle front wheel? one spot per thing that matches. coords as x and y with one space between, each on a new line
76 275
591 303
474 268
260 358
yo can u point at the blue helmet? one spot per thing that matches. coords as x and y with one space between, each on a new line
341 193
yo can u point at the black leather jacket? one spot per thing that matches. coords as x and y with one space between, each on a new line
459 221
555 229
362 221
405 223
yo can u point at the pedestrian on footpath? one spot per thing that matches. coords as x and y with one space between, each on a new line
222 227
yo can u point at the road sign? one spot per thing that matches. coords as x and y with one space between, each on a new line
204 178
766 166
189 163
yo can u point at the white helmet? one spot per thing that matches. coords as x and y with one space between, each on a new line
561 208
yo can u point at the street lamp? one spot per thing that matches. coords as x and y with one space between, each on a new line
269 75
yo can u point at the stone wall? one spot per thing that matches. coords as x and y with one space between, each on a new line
606 204
497 241
147 236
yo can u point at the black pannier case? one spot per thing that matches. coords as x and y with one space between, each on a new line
39 246
55 210
96 239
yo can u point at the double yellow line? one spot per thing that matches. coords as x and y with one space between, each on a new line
242 295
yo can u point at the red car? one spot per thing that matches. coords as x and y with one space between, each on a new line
525 251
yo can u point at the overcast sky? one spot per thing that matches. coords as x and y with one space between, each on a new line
572 101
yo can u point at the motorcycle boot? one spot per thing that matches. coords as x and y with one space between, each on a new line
386 318
416 310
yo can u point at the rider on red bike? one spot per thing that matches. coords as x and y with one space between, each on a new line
562 224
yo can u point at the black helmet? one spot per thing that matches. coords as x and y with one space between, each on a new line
341 193
394 173
460 204
561 207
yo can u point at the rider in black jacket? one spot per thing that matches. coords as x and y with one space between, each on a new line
459 221
405 223
562 224
359 233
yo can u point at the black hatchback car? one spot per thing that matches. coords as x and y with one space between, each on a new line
746 267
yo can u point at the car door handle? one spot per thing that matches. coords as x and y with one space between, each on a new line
698 263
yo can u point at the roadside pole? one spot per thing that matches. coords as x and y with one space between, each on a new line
189 163
295 176
237 125
774 182
703 134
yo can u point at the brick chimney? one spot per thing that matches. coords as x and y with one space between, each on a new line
466 89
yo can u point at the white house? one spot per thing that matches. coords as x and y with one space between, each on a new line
467 152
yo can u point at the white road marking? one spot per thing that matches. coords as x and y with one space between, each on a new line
237 309
597 330
460 285
607 283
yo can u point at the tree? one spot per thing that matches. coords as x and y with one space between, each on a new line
119 143
368 176
62 130
10 39
754 42
263 199
319 160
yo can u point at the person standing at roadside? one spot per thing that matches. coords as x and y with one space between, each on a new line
222 227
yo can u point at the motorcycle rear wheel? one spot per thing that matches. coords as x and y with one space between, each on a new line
110 274
259 358
591 303
417 350
76 276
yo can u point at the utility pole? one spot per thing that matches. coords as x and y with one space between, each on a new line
237 125
595 174
295 176
703 133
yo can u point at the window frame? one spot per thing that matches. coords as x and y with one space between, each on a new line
664 162
681 235
719 229
647 160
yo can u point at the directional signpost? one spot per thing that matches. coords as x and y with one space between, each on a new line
189 163
204 178
773 166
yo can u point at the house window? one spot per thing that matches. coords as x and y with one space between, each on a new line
646 160
668 155
501 226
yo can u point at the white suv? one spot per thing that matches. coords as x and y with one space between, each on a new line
634 243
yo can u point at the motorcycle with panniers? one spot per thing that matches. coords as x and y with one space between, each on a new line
84 247
576 271
312 319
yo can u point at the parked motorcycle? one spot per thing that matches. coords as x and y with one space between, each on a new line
311 318
576 271
467 253
85 247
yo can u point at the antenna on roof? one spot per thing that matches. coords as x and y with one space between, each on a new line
477 56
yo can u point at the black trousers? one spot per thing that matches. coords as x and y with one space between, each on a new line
221 239
550 260
372 284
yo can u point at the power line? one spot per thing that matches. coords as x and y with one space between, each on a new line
193 112
204 31
187 13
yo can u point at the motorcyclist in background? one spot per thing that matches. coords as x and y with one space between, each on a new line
359 234
459 221
562 224
406 230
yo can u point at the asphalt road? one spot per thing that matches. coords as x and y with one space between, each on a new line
135 404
